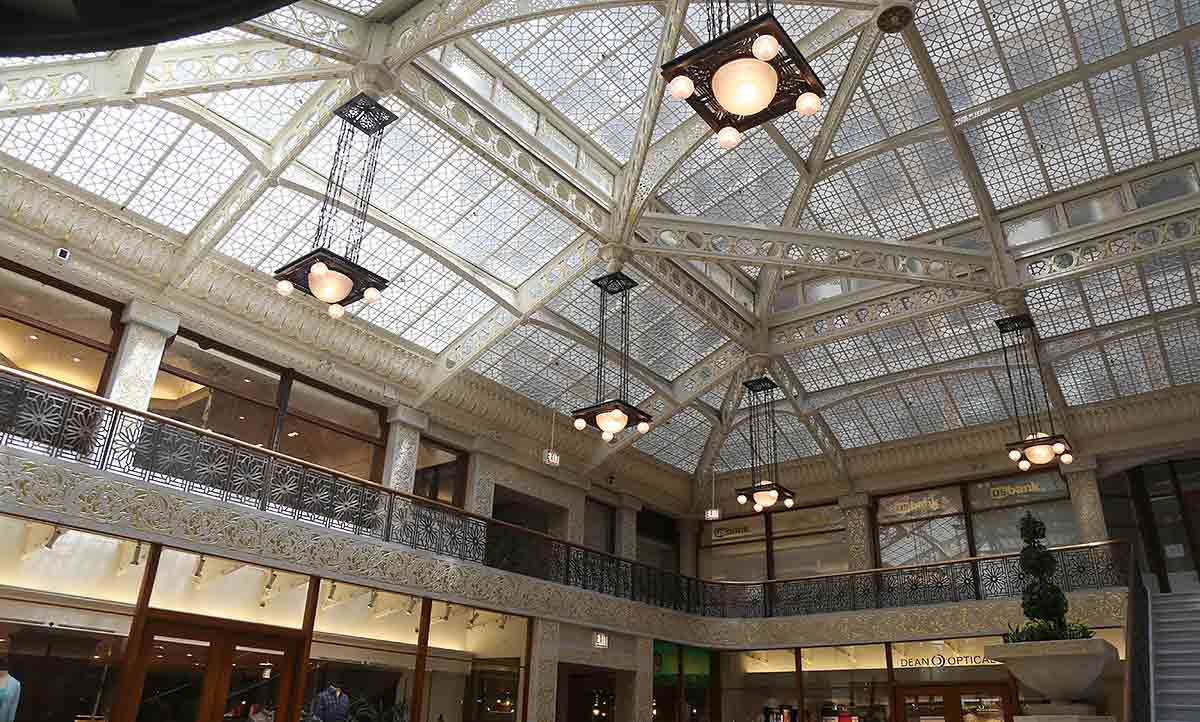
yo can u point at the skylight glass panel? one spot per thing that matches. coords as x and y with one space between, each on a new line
829 66
962 52
896 89
222 36
664 335
835 205
1150 19
1007 159
1122 118
425 303
591 66
1181 340
978 397
815 368
1067 137
153 162
894 204
678 442
888 415
856 358
938 181
1137 363
263 111
448 192
1057 308
1170 102
358 7
849 424
1084 378
794 440
1097 26
901 347
1115 294
1034 38
735 452
751 183
41 140
860 126
930 404
1166 281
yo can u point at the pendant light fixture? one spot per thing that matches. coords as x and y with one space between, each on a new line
713 512
765 489
334 277
613 415
1038 441
743 76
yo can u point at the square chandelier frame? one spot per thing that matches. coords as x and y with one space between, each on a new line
297 270
796 76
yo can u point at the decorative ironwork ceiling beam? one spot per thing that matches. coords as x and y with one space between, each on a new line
816 425
625 214
685 237
731 400
157 73
317 28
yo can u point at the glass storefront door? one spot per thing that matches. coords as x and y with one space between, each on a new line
196 673
965 703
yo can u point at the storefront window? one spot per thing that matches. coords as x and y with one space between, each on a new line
53 333
734 550
227 589
811 555
66 655
697 684
475 666
332 431
997 506
760 686
666 682
441 473
922 527
840 681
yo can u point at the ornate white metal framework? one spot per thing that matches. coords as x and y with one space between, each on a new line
1021 117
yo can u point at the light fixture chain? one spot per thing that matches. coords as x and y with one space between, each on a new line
625 345
333 187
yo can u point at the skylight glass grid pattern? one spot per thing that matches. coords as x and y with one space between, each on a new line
426 303
262 111
751 183
1034 39
962 51
358 7
153 162
938 181
1122 118
930 404
895 87
849 424
1181 340
735 453
888 415
1066 134
829 67
42 140
835 205
664 334
1084 378
446 191
1007 159
15 61
1150 19
221 36
894 203
678 442
981 398
591 66
859 128
1097 27
792 442
1137 363
1170 101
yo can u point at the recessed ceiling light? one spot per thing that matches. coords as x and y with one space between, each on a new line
33 337
293 434
247 380
75 359
241 418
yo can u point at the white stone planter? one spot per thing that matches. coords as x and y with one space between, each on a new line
1062 670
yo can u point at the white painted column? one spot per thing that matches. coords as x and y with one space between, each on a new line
627 537
543 671
147 328
405 426
860 533
1085 498
481 484
689 530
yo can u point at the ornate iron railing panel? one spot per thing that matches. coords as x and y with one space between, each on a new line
53 420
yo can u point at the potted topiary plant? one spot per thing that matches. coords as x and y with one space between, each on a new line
1058 659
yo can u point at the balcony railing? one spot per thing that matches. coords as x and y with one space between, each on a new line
60 422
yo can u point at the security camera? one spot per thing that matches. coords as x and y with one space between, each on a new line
62 254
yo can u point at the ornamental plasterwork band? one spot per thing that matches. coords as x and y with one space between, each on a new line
65 493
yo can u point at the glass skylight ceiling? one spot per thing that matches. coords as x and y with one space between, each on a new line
592 68
792 438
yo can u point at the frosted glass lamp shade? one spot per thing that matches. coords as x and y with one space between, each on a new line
745 86
329 285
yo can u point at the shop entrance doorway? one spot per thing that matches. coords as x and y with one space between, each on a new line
955 703
190 671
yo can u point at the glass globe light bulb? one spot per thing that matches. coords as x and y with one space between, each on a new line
766 498
285 288
1014 454
682 87
371 295
789 502
765 47
336 310
728 137
318 268
758 507
1067 458
643 427
612 421
1039 453
1059 447
329 286
607 436
745 86
808 104
1023 464
580 424
741 498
